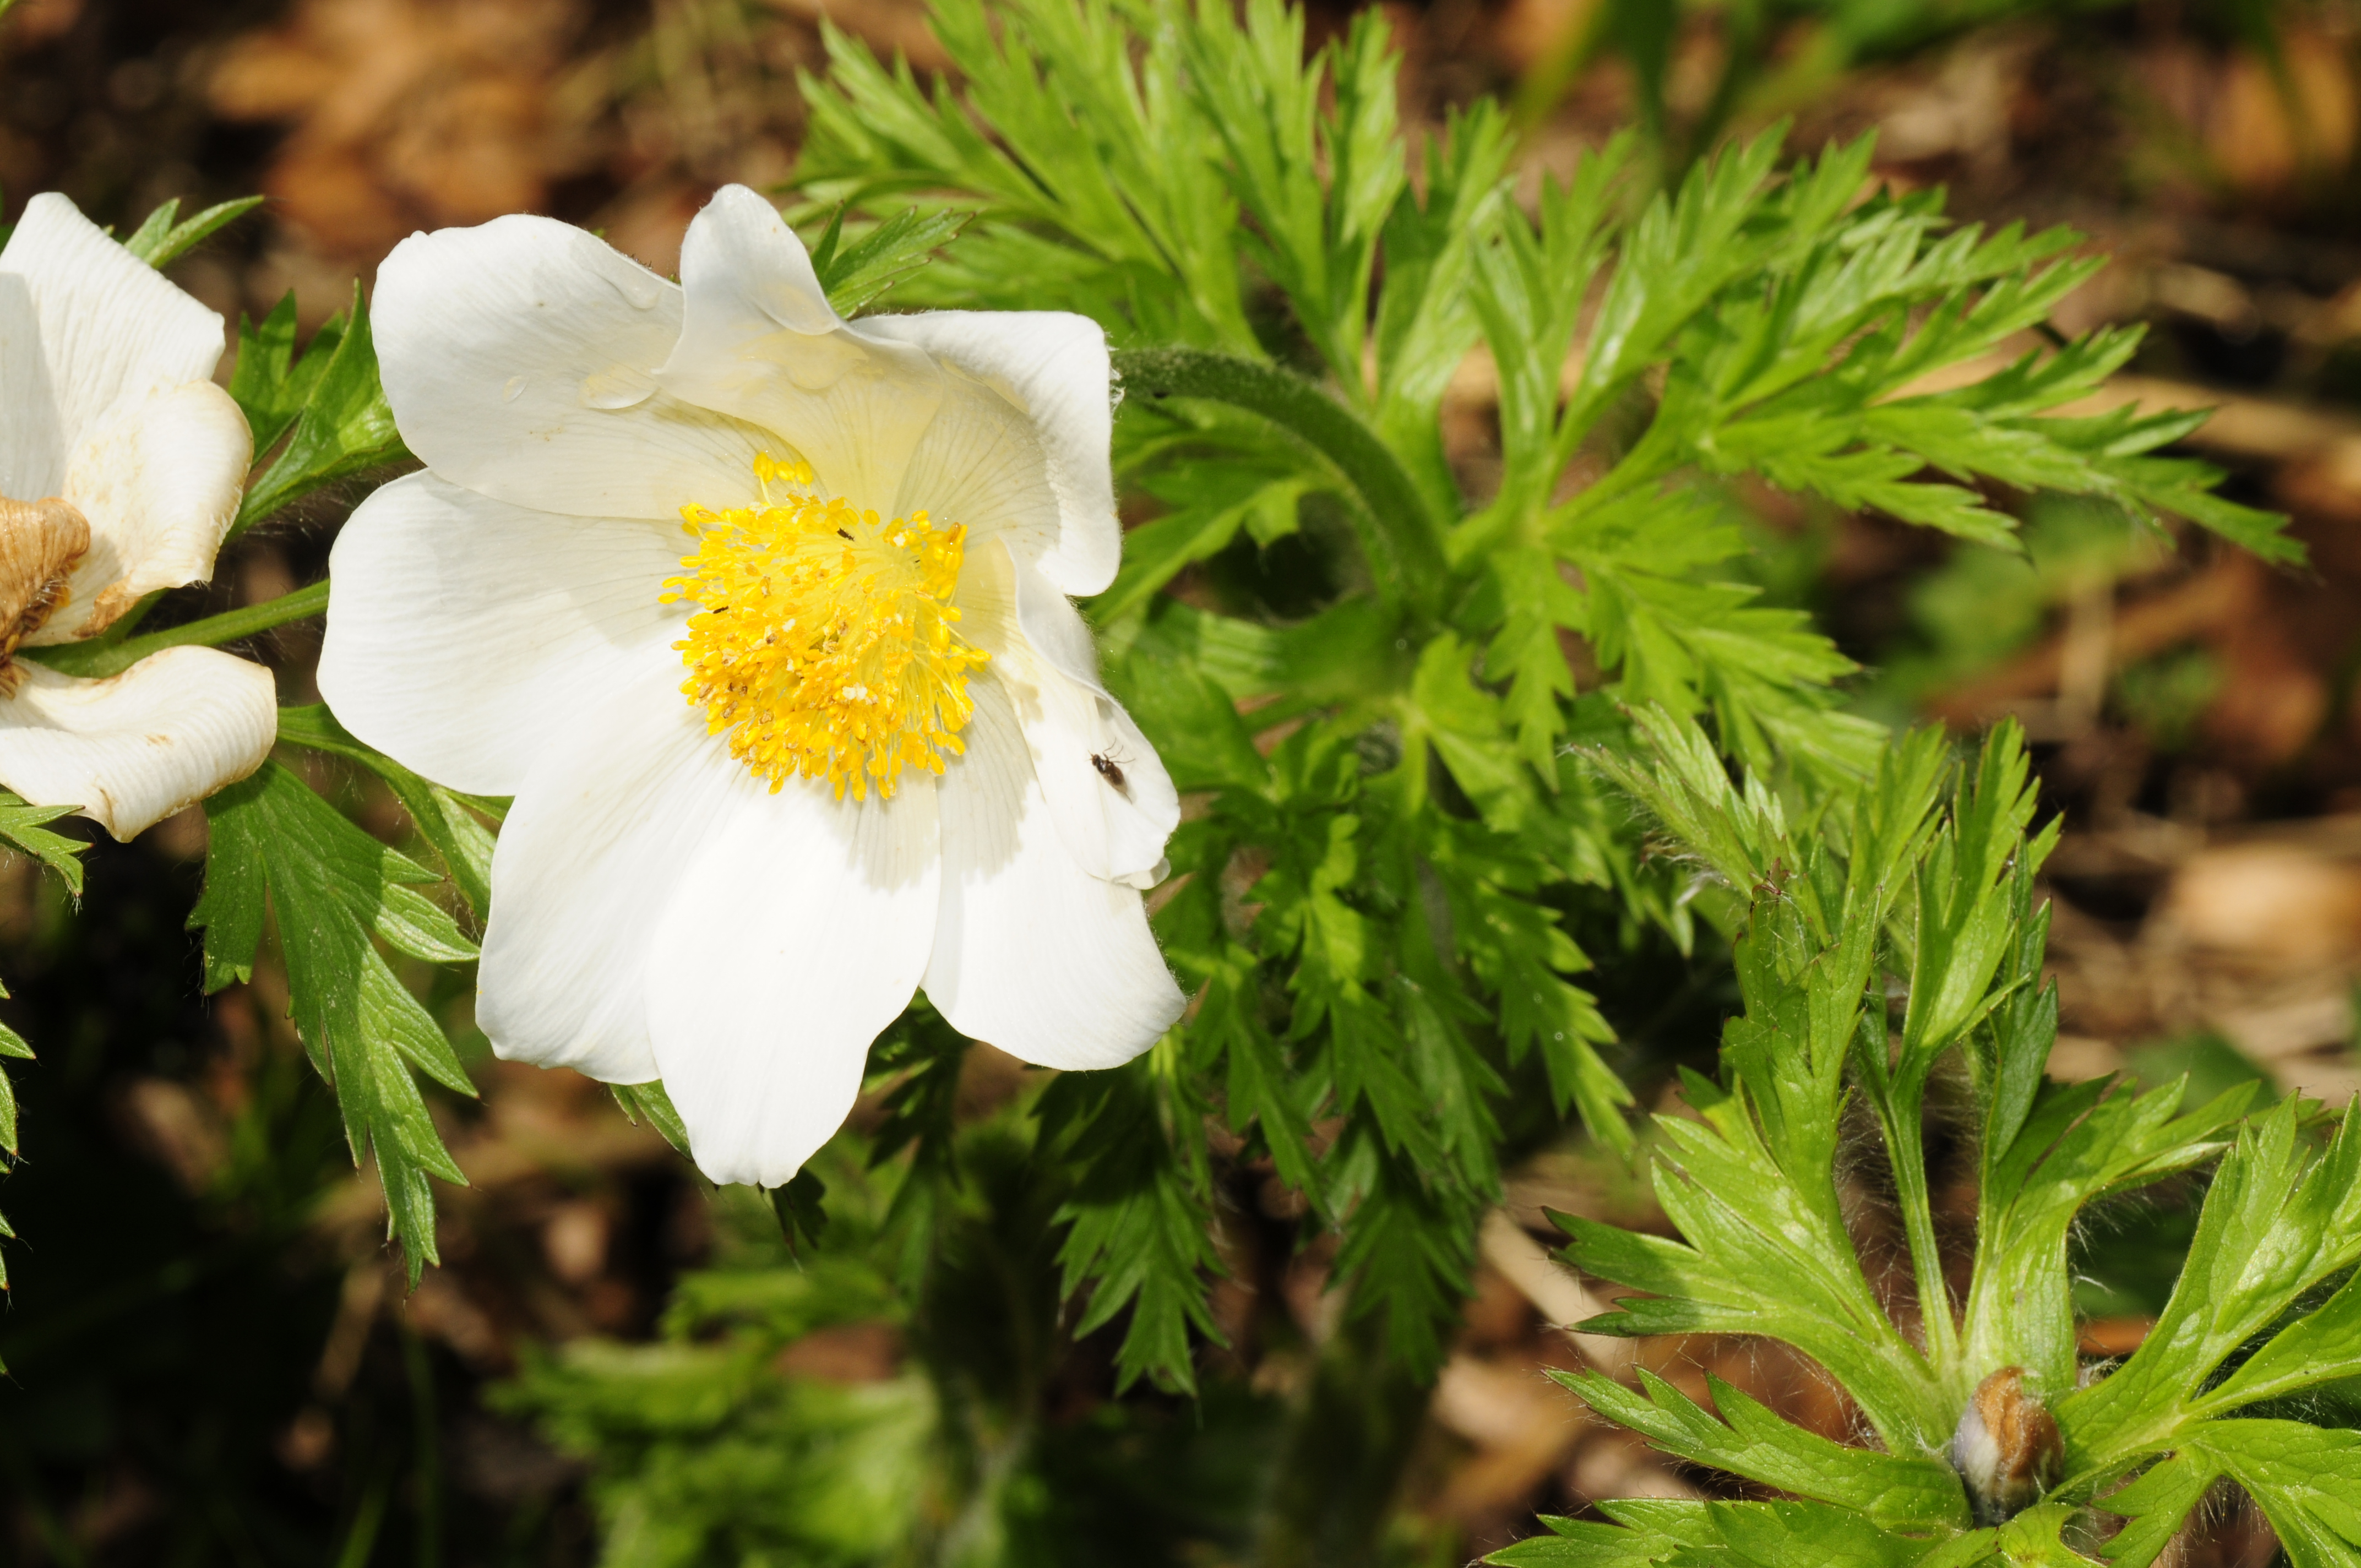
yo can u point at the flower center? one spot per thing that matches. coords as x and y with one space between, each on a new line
824 645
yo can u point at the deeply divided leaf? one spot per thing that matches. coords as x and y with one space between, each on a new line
333 893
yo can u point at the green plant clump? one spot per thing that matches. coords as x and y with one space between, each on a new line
1358 659
1894 893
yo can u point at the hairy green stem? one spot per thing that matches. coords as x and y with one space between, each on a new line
1906 1151
1398 535
100 658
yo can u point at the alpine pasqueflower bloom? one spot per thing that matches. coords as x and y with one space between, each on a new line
761 616
121 464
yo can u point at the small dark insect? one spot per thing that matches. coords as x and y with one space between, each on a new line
846 537
1109 769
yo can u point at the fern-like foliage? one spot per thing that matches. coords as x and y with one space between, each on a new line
1371 906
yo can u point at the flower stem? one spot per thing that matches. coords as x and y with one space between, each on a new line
1397 533
99 658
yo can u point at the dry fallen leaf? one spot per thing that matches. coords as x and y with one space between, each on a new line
404 112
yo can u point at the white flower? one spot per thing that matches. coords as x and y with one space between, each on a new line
836 736
120 468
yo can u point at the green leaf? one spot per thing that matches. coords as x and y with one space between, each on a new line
1742 836
160 241
330 889
1425 322
1581 1543
1778 1535
1409 1249
1241 658
2303 1477
2031 1540
1260 1091
1447 710
1193 722
2278 1221
921 1058
1683 251
1315 238
1965 909
1536 602
344 426
2079 1142
1750 1441
2155 1504
1528 290
442 819
784 1304
1096 169
269 383
648 1103
1519 949
1750 1183
1739 1535
1790 321
12 1045
2319 1348
855 272
26 827
1137 1218
1969 885
1209 506
800 1206
704 1450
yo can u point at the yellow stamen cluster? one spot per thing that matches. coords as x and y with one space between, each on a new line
825 645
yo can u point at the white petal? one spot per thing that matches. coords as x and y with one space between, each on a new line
1113 830
799 935
108 325
1042 655
759 342
32 432
133 748
466 635
518 358
159 482
1033 953
1044 477
1053 626
739 245
602 830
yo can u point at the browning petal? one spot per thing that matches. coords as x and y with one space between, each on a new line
39 543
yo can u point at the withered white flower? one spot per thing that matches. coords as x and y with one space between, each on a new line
120 469
761 617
